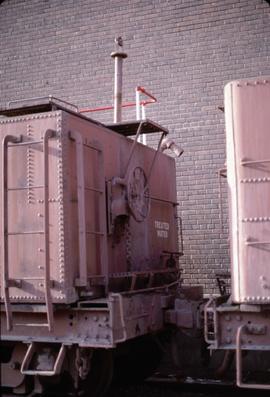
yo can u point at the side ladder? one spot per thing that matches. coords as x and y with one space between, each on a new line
7 142
101 233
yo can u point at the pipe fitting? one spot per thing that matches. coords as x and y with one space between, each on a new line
170 144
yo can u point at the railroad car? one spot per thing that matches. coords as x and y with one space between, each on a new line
89 243
241 324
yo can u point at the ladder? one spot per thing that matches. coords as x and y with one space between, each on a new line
101 233
7 142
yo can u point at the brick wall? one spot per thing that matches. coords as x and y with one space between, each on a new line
183 51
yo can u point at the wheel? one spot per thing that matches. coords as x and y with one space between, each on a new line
97 373
100 375
136 360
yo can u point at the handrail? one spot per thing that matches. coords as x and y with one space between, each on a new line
143 91
239 366
77 137
6 281
124 105
207 309
222 172
48 299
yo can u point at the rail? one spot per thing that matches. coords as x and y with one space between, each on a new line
48 299
214 332
138 104
222 172
76 136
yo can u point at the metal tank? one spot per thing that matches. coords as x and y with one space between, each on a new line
247 112
83 208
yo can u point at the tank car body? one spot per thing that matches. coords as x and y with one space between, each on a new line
89 246
248 169
243 322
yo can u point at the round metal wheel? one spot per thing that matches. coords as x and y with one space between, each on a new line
100 375
138 194
136 360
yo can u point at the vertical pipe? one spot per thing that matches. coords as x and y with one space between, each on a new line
143 118
118 80
143 112
138 106
118 56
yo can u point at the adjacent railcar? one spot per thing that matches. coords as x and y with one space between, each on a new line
243 322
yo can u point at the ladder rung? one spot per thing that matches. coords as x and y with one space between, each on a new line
93 189
94 232
27 143
25 188
32 325
257 242
251 162
26 308
21 233
33 278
